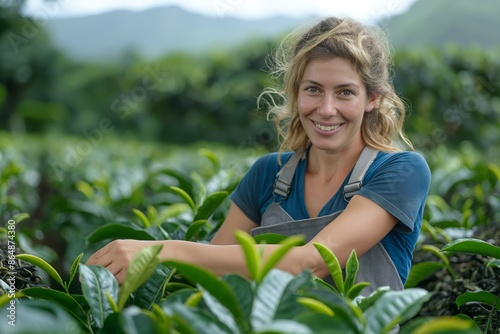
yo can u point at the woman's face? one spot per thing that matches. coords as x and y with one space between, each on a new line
332 101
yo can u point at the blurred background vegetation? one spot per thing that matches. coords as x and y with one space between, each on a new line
88 133
446 67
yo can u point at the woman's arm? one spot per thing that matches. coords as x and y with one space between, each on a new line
235 220
360 226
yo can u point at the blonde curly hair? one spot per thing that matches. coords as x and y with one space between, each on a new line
366 47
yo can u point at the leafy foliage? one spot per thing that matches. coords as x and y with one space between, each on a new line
278 303
68 194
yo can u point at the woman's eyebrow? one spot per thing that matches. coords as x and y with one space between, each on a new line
344 85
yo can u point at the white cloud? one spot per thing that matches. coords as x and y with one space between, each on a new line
364 10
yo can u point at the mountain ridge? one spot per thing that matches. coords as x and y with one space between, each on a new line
158 31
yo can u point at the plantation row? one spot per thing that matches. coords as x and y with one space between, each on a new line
61 199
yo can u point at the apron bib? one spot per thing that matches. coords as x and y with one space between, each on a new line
375 266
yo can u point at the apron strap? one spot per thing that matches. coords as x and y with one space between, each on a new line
356 180
284 178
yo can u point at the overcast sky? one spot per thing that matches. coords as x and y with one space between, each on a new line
364 10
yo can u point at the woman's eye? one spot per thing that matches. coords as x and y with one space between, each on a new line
312 89
347 92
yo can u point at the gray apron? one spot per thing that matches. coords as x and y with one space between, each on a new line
375 266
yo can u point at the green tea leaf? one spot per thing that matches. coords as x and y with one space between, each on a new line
342 308
351 270
315 305
194 299
394 307
74 268
111 302
495 171
142 217
36 316
152 212
252 256
161 318
7 297
484 297
244 291
439 202
275 257
195 321
173 210
117 231
447 325
199 188
356 289
434 250
473 246
184 181
268 297
493 263
317 323
194 228
132 320
269 238
140 269
420 271
96 281
20 217
219 289
153 290
367 302
211 202
42 264
85 188
210 155
61 298
333 265
185 196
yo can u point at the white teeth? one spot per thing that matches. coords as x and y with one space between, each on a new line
326 128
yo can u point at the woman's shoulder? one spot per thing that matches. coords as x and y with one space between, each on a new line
272 160
402 157
265 168
404 161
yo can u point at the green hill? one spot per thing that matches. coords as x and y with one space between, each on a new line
155 32
440 22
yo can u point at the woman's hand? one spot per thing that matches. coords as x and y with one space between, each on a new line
117 255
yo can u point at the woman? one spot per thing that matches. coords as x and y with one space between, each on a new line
339 110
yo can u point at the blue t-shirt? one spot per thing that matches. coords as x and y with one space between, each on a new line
398 182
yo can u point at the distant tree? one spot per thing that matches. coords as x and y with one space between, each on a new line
26 60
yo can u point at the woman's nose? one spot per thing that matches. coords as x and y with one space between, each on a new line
328 107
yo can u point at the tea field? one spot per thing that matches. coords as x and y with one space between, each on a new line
62 197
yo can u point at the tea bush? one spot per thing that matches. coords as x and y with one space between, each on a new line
61 203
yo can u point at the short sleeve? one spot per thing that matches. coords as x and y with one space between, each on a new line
399 184
255 186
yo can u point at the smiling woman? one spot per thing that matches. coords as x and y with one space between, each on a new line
332 101
340 177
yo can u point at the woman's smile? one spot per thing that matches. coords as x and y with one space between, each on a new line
332 102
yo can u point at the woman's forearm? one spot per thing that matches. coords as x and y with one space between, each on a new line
225 259
219 259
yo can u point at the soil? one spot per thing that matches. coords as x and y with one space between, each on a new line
25 274
472 275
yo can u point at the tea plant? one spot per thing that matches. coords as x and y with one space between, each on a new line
487 299
464 203
272 301
144 192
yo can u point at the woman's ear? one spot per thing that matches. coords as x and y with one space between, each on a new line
371 102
